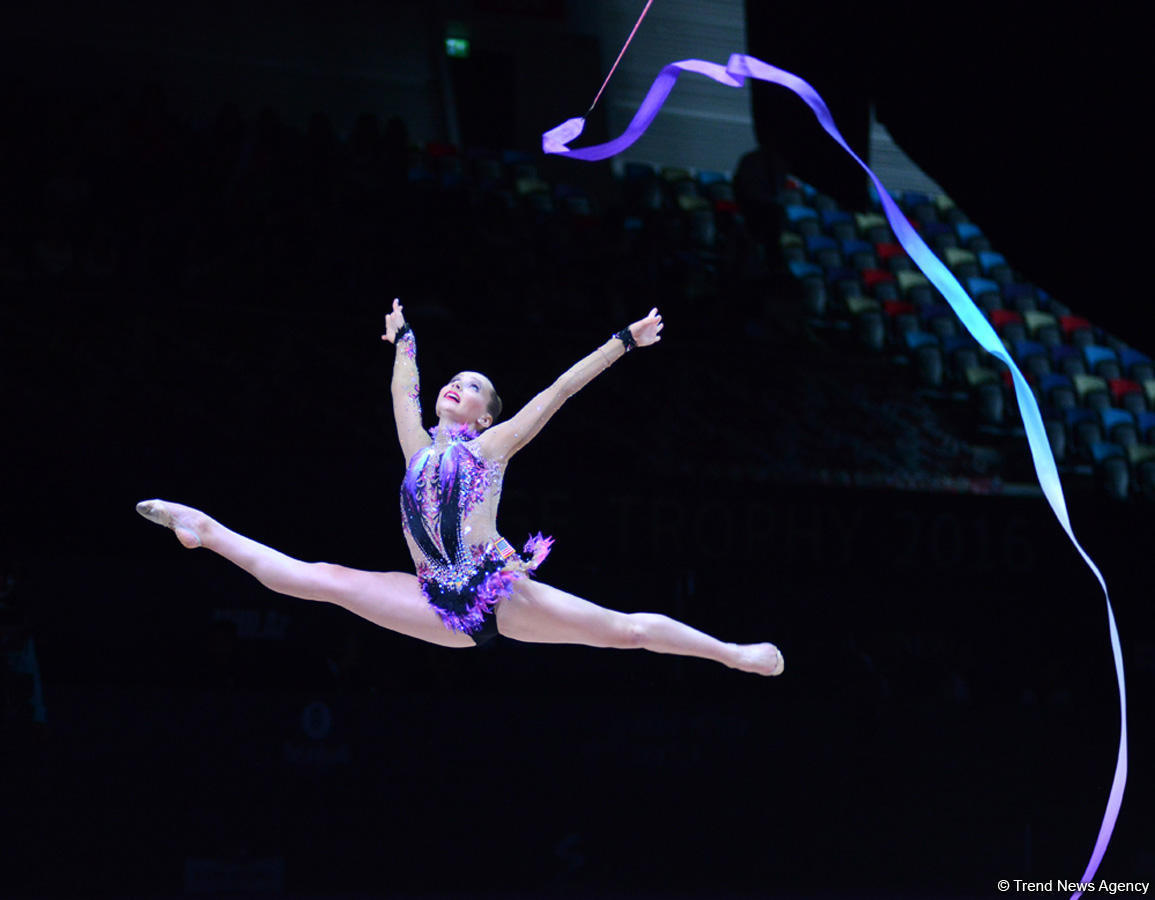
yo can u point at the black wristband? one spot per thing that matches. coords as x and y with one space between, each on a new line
401 332
627 338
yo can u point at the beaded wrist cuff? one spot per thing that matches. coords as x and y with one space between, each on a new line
627 338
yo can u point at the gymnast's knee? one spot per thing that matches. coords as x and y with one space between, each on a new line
636 629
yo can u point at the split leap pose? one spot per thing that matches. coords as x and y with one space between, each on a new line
470 583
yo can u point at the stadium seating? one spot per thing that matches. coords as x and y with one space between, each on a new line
1097 393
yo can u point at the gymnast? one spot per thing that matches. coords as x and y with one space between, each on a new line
470 583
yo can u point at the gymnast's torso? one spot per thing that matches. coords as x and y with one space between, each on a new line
449 501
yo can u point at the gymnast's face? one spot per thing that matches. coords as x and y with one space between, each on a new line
465 400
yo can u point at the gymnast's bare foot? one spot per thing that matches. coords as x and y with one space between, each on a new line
187 523
761 659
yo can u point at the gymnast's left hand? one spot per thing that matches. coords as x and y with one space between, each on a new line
647 331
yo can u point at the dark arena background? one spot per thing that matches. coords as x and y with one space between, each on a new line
205 211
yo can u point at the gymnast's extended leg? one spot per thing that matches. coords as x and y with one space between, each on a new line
538 613
392 600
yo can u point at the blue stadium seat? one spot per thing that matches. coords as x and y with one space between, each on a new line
978 286
1058 391
1068 360
962 353
1145 422
831 216
915 339
1018 296
1032 357
911 199
985 293
941 321
1112 469
994 266
1130 359
1024 348
803 219
932 230
1101 361
1101 450
1119 426
1084 428
858 252
988 259
1073 417
839 224
844 283
819 242
843 274
823 250
802 269
966 231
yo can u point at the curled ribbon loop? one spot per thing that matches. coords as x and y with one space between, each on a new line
734 74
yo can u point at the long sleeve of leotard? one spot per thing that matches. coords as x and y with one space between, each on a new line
506 438
406 390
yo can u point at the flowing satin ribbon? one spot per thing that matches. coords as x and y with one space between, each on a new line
734 74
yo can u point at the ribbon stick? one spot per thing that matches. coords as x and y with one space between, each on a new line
734 74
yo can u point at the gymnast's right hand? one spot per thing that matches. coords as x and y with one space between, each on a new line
393 322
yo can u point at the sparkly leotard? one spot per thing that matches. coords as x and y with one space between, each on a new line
452 487
449 500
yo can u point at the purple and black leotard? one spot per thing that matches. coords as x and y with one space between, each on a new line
449 501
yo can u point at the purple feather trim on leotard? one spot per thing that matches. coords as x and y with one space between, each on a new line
464 608
536 550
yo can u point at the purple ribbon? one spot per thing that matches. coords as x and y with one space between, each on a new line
734 74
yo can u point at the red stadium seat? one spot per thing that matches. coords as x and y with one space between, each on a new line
871 277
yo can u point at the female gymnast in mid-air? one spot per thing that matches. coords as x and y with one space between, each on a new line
470 583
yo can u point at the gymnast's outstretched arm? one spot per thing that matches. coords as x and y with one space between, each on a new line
506 438
406 386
